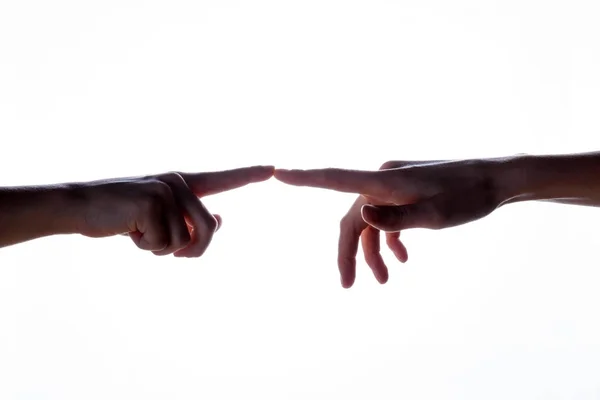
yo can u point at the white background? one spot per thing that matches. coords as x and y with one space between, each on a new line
506 307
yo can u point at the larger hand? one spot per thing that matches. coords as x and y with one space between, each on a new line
401 195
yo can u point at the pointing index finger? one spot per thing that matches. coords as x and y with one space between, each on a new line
341 180
207 183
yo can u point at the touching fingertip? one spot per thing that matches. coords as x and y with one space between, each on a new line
284 175
267 169
279 171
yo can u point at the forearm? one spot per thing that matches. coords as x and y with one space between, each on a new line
28 213
571 179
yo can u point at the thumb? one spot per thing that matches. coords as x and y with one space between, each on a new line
397 218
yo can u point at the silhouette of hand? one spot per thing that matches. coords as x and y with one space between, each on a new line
401 195
161 213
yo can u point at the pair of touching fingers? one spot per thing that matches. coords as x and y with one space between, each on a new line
169 217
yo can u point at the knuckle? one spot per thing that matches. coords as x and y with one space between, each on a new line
371 260
385 178
159 188
346 222
346 261
172 177
211 224
388 165
156 242
383 184
162 242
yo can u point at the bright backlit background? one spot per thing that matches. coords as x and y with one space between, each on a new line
504 308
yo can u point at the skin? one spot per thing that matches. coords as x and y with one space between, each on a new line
441 194
161 213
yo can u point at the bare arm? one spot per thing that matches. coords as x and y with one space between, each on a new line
28 213
569 179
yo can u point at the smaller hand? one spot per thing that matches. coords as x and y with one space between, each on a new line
161 213
401 195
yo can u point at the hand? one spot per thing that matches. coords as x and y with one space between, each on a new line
401 195
161 213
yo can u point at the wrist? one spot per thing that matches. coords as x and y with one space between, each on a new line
552 177
65 208
511 177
